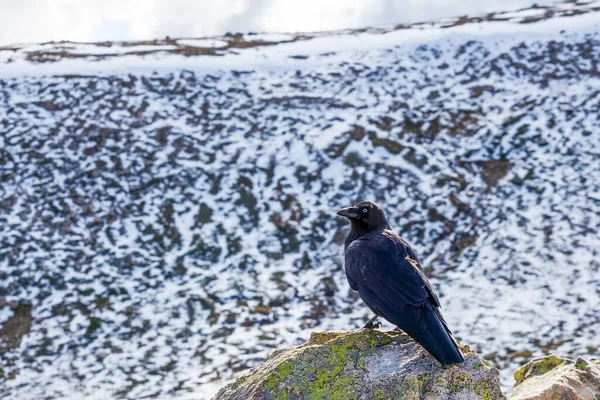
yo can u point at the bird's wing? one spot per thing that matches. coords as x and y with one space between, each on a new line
390 281
389 268
414 260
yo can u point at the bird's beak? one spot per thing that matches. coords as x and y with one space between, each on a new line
349 212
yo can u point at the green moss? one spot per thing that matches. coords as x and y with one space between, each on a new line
519 374
328 376
361 363
549 363
379 394
284 395
413 383
329 386
454 388
482 390
324 337
465 349
464 383
285 369
278 376
363 341
536 367
483 394
414 387
241 380
416 384
330 381
271 382
581 364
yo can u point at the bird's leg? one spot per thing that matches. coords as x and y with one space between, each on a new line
372 324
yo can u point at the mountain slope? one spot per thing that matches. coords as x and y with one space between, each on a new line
167 220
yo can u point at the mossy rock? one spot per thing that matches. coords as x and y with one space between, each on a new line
537 366
552 377
365 364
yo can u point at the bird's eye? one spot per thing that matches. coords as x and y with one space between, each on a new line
364 210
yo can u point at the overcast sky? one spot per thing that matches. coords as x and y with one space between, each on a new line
96 20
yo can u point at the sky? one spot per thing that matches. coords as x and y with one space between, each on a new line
31 21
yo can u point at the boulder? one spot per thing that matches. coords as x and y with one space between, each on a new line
365 364
552 377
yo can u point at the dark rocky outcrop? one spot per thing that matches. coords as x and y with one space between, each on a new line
15 327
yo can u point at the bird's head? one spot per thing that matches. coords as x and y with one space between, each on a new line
365 216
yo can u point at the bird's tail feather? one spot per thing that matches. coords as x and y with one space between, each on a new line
427 327
423 323
437 338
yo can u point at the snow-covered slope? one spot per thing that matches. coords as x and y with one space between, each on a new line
167 218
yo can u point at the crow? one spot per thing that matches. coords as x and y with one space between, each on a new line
387 275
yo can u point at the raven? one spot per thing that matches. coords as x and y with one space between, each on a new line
387 275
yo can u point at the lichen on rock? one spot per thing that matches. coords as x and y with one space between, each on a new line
365 364
537 366
552 377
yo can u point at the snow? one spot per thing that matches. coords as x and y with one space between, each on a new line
117 49
270 37
202 42
344 45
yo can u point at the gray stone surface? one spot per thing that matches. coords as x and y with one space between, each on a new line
555 378
364 365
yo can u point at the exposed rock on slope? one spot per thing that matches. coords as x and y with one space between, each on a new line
364 365
551 377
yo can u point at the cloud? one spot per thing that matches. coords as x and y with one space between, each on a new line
250 17
391 11
112 29
87 20
203 17
315 15
43 20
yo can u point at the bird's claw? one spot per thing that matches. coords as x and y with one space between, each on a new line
372 325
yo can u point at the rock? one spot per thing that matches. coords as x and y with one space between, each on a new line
15 327
365 364
552 377
494 170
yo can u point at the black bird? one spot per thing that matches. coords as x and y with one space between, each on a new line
387 275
